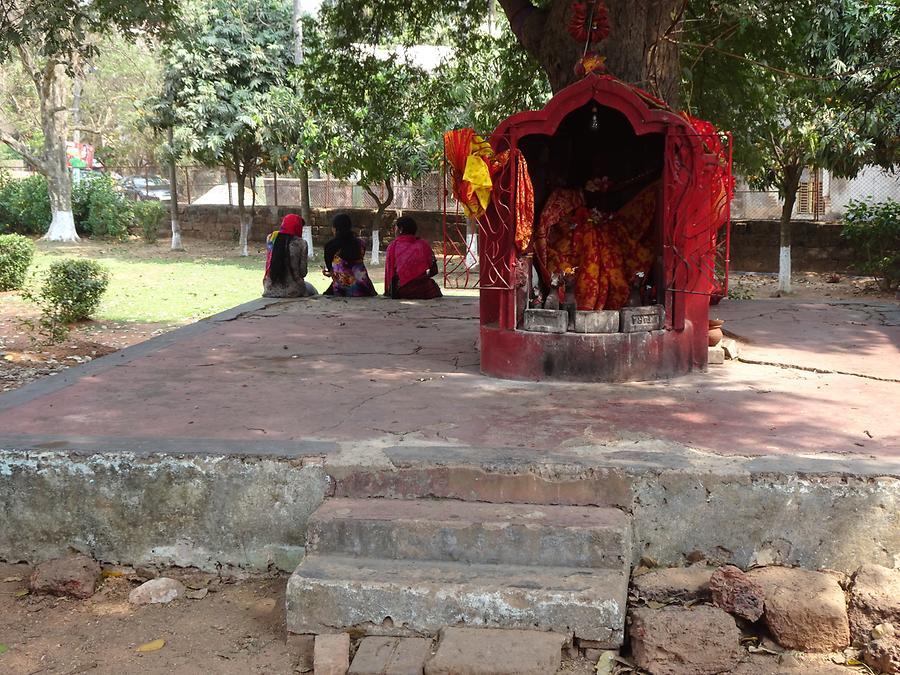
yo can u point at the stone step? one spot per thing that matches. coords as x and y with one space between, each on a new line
406 598
472 532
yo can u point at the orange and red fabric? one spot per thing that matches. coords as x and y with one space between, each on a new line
606 250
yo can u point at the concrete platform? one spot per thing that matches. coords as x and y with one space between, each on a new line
213 444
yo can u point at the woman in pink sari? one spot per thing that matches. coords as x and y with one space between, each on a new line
409 265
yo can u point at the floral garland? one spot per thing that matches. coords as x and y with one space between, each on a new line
589 22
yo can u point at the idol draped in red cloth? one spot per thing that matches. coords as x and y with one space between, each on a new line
409 265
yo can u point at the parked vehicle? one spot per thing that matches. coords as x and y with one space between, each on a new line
146 187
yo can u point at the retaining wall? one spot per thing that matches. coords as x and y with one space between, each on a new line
816 247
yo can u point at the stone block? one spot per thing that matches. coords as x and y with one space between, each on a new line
604 321
716 356
682 641
546 320
332 654
874 599
75 575
635 319
804 610
159 591
731 347
478 651
679 583
423 596
457 531
397 656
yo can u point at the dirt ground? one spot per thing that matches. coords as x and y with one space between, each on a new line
808 286
238 627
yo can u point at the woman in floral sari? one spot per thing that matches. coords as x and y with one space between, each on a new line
344 262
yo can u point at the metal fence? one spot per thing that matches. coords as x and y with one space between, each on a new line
202 185
821 196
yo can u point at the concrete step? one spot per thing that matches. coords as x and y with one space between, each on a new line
406 598
471 532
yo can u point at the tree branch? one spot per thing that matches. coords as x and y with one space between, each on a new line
22 149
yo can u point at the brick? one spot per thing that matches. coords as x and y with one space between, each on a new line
396 656
332 654
302 647
716 356
679 583
804 610
682 641
478 651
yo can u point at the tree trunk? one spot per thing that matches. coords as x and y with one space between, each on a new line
243 216
305 210
54 112
789 189
173 202
638 50
375 258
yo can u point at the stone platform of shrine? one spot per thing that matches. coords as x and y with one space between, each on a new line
215 443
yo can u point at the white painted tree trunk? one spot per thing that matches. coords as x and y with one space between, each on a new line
307 237
784 269
245 235
173 196
471 243
176 236
376 246
62 228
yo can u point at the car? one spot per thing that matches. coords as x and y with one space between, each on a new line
146 187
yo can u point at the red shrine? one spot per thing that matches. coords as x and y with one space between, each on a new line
603 168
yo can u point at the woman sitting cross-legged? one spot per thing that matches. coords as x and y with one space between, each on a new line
409 265
286 261
344 262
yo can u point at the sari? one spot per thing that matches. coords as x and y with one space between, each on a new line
409 265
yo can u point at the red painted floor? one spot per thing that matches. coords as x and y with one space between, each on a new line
373 369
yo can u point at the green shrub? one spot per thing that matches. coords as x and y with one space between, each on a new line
100 209
149 216
16 254
74 288
872 230
25 204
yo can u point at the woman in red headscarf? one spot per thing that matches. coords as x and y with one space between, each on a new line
286 261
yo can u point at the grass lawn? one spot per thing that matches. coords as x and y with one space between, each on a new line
152 284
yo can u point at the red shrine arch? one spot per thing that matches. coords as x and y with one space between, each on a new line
679 170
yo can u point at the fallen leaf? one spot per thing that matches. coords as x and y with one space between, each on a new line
11 579
3 649
151 646
655 604
605 663
22 593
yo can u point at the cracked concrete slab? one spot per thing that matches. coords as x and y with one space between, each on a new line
851 338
